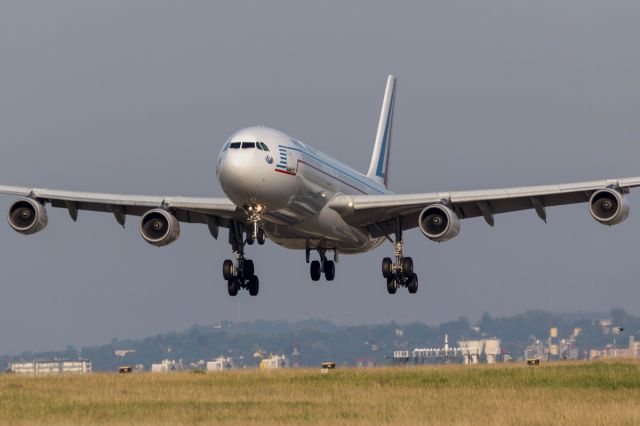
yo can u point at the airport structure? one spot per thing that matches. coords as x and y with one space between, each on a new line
274 362
467 351
472 350
82 366
166 366
221 363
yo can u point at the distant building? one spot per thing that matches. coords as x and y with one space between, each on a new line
220 363
51 367
472 350
166 366
536 350
123 352
611 351
274 362
634 347
554 348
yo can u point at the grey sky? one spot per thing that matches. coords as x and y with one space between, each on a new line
137 97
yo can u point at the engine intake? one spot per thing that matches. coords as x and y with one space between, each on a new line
159 228
608 207
439 223
27 216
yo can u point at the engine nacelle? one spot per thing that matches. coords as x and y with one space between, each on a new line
27 216
439 223
159 228
608 207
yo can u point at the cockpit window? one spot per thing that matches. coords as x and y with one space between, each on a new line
234 145
248 145
263 146
259 146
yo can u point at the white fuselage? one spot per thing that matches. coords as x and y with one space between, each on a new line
293 183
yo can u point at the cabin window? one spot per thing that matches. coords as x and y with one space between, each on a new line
234 145
248 145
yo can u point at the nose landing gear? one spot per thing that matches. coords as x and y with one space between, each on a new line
255 216
399 273
328 267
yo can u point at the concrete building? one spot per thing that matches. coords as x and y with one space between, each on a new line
491 350
166 366
221 363
473 350
51 367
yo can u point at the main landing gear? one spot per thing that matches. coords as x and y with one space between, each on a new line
399 273
241 275
323 266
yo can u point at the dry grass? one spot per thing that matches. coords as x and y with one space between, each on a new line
563 393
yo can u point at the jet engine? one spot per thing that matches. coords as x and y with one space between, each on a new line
439 223
27 216
608 207
159 228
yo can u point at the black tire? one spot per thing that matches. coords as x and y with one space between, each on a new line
261 237
315 271
233 286
387 267
412 285
407 266
227 269
329 270
391 285
254 285
247 269
250 239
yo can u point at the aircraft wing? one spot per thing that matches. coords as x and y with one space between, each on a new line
378 212
211 211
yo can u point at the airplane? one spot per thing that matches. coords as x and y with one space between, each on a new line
282 189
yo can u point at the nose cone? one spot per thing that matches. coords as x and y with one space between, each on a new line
248 177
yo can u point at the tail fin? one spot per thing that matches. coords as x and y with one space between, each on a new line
379 168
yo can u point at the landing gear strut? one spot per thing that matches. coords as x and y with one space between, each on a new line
317 268
240 275
399 273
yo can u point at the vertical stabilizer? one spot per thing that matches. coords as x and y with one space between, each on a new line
379 168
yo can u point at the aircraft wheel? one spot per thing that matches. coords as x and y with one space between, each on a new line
261 237
387 267
248 269
250 239
329 270
412 285
227 269
391 285
254 285
315 270
407 266
233 286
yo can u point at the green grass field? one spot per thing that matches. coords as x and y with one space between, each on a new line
561 393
